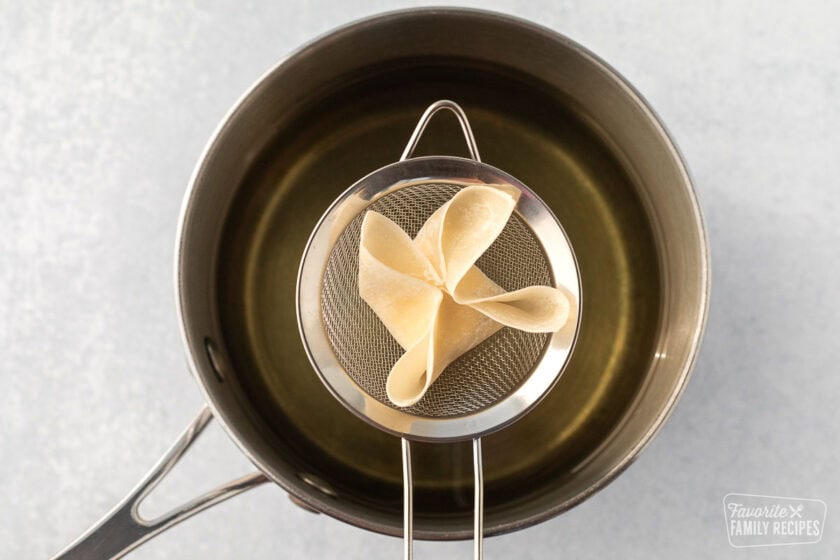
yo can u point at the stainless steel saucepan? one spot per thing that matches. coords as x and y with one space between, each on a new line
547 111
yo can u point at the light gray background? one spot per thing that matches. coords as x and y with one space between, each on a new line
104 108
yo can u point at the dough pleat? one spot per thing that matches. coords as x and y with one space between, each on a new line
532 309
405 303
462 229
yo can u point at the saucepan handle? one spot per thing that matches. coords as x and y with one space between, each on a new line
123 529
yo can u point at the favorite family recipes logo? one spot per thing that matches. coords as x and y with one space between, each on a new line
753 520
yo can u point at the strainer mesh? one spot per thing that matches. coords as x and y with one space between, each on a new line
367 351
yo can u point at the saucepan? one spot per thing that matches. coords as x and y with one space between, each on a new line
544 109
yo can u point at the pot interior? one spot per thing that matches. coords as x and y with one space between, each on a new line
358 124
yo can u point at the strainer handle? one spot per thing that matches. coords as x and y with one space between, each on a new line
408 502
427 116
478 501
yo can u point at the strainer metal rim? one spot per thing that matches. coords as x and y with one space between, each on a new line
363 193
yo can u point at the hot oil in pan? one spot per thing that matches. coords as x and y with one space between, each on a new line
361 125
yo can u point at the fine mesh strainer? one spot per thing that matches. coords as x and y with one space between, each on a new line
488 387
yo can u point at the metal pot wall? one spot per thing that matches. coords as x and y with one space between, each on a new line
544 109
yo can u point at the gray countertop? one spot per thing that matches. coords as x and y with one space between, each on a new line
104 108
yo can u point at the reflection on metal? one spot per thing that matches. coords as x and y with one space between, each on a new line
319 484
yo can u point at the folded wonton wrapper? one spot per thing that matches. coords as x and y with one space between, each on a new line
433 299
